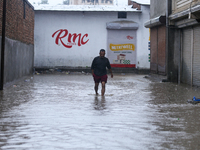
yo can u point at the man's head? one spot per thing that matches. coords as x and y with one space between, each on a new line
102 53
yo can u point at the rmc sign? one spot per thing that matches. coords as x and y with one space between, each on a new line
68 40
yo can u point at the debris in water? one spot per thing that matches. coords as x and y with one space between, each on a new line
27 80
52 70
194 100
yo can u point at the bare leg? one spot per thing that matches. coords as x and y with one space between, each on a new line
96 88
103 88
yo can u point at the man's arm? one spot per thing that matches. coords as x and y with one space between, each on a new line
109 67
92 66
111 73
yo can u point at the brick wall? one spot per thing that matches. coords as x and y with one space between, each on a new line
19 23
134 5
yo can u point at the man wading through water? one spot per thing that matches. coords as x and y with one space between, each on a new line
99 72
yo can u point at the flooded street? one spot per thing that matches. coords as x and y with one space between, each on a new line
60 111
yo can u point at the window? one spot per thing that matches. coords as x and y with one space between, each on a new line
122 14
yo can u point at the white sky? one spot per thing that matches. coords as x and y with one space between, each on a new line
55 2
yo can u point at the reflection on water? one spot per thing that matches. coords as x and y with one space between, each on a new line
99 102
60 112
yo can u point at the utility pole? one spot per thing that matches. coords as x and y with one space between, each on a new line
3 44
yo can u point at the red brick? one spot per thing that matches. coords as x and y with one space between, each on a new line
18 27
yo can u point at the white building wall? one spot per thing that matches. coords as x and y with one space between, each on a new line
48 54
143 39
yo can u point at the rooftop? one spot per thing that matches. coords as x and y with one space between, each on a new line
85 8
143 2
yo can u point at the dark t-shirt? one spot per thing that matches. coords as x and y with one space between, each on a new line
99 65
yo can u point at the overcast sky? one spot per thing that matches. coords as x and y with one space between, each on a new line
55 2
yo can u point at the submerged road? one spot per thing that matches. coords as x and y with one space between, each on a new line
59 111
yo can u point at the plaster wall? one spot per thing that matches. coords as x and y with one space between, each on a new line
92 27
157 8
18 60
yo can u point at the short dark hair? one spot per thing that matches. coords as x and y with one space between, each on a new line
102 50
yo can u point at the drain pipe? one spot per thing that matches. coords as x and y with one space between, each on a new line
180 51
192 53
3 44
181 55
167 36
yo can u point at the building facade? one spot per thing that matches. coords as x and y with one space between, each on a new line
157 24
182 39
185 17
71 38
19 39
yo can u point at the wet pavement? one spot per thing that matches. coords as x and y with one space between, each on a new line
60 111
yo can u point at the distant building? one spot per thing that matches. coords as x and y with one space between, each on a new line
71 36
88 2
175 36
44 1
65 2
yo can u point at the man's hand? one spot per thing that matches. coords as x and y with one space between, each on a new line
111 75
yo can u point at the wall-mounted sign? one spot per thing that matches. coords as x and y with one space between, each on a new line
68 39
122 48
129 37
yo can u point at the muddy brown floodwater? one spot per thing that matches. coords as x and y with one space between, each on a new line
49 112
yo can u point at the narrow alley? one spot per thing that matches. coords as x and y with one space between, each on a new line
59 111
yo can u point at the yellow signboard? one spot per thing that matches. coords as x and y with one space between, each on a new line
121 47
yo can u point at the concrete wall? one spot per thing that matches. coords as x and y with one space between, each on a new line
157 8
49 55
19 59
143 40
173 55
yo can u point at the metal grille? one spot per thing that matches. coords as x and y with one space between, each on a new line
186 64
